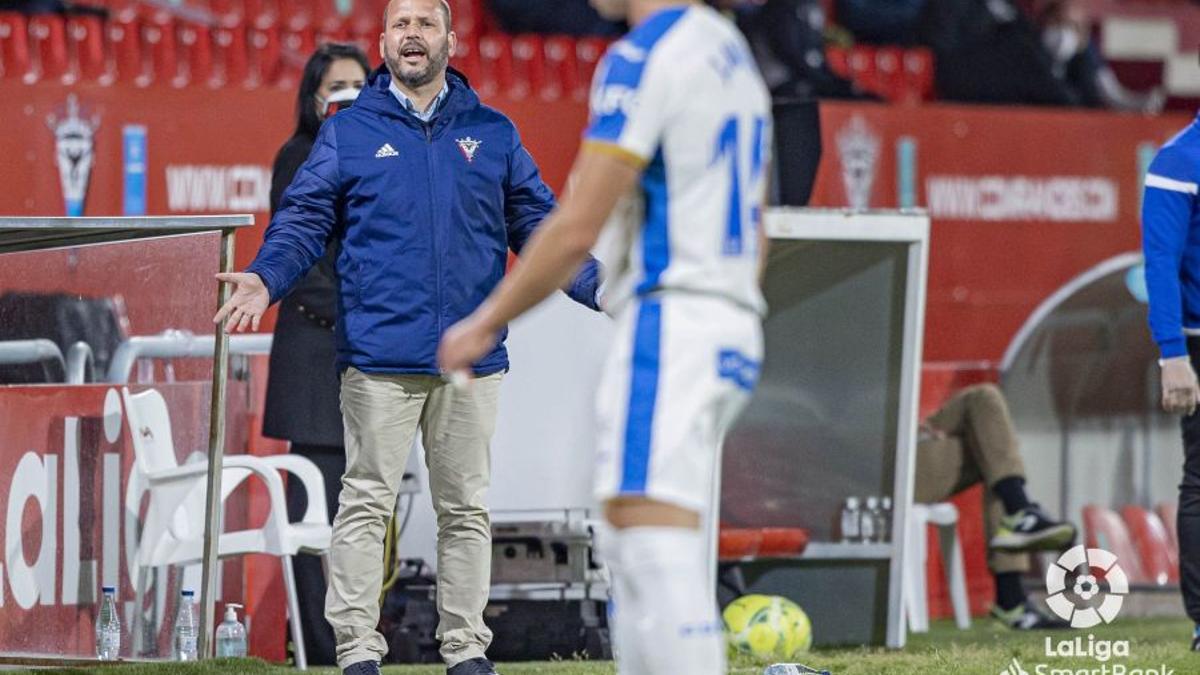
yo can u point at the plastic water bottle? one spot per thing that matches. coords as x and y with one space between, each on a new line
185 632
108 627
885 523
231 635
868 523
850 520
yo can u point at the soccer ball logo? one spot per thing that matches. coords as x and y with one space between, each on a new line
1086 587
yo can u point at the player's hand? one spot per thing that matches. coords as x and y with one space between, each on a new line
464 344
1180 391
247 305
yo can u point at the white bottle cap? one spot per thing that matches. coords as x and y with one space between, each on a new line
231 609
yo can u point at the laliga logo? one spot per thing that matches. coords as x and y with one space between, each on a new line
1086 587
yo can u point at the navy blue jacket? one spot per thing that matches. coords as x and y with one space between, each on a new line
1171 241
426 215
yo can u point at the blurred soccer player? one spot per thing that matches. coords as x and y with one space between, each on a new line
1171 242
679 113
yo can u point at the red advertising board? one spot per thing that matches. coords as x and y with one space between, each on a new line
71 515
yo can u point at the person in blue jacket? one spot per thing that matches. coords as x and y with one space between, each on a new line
1171 242
426 191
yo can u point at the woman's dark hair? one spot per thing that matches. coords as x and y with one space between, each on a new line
307 120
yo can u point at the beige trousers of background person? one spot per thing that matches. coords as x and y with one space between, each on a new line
980 446
382 414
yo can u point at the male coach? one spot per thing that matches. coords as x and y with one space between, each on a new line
427 190
1171 242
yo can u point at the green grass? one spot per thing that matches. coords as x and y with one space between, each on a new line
985 649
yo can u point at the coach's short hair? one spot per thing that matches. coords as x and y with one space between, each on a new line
445 13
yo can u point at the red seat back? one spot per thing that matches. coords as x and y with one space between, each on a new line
85 37
496 64
562 62
1159 563
14 46
48 46
529 69
1103 528
125 49
1168 513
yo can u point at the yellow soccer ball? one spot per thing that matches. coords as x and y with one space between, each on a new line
768 627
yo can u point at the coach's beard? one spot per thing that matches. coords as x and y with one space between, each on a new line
415 79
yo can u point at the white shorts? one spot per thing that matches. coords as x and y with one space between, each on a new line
681 369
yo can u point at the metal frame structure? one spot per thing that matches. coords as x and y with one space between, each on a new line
909 227
35 234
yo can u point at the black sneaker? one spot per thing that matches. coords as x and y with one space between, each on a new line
475 666
1027 617
1196 640
1030 529
361 668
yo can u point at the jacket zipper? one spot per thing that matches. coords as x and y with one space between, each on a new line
437 251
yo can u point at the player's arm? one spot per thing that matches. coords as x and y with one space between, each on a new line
1166 217
562 243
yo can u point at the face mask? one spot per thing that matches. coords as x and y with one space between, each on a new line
1061 43
338 100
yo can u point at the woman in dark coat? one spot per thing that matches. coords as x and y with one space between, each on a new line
302 387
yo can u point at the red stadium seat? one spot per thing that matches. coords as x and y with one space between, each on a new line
467 17
864 70
158 37
529 69
15 61
195 53
588 52
85 38
736 543
466 60
266 52
1159 562
125 50
889 64
496 62
839 61
1103 528
230 61
48 45
918 72
1168 513
562 62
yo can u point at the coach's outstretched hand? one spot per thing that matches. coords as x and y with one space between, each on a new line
250 300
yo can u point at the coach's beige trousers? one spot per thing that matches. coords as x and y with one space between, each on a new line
382 414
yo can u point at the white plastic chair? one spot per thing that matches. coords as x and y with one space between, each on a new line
173 529
945 517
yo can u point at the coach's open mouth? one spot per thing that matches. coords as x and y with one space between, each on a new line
413 53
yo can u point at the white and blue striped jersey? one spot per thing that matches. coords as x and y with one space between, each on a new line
681 95
1171 241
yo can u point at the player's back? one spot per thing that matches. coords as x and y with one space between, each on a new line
682 94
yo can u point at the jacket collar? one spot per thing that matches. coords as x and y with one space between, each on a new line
377 96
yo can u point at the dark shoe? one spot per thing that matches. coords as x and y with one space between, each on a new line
1030 529
361 668
1196 640
1027 617
475 666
